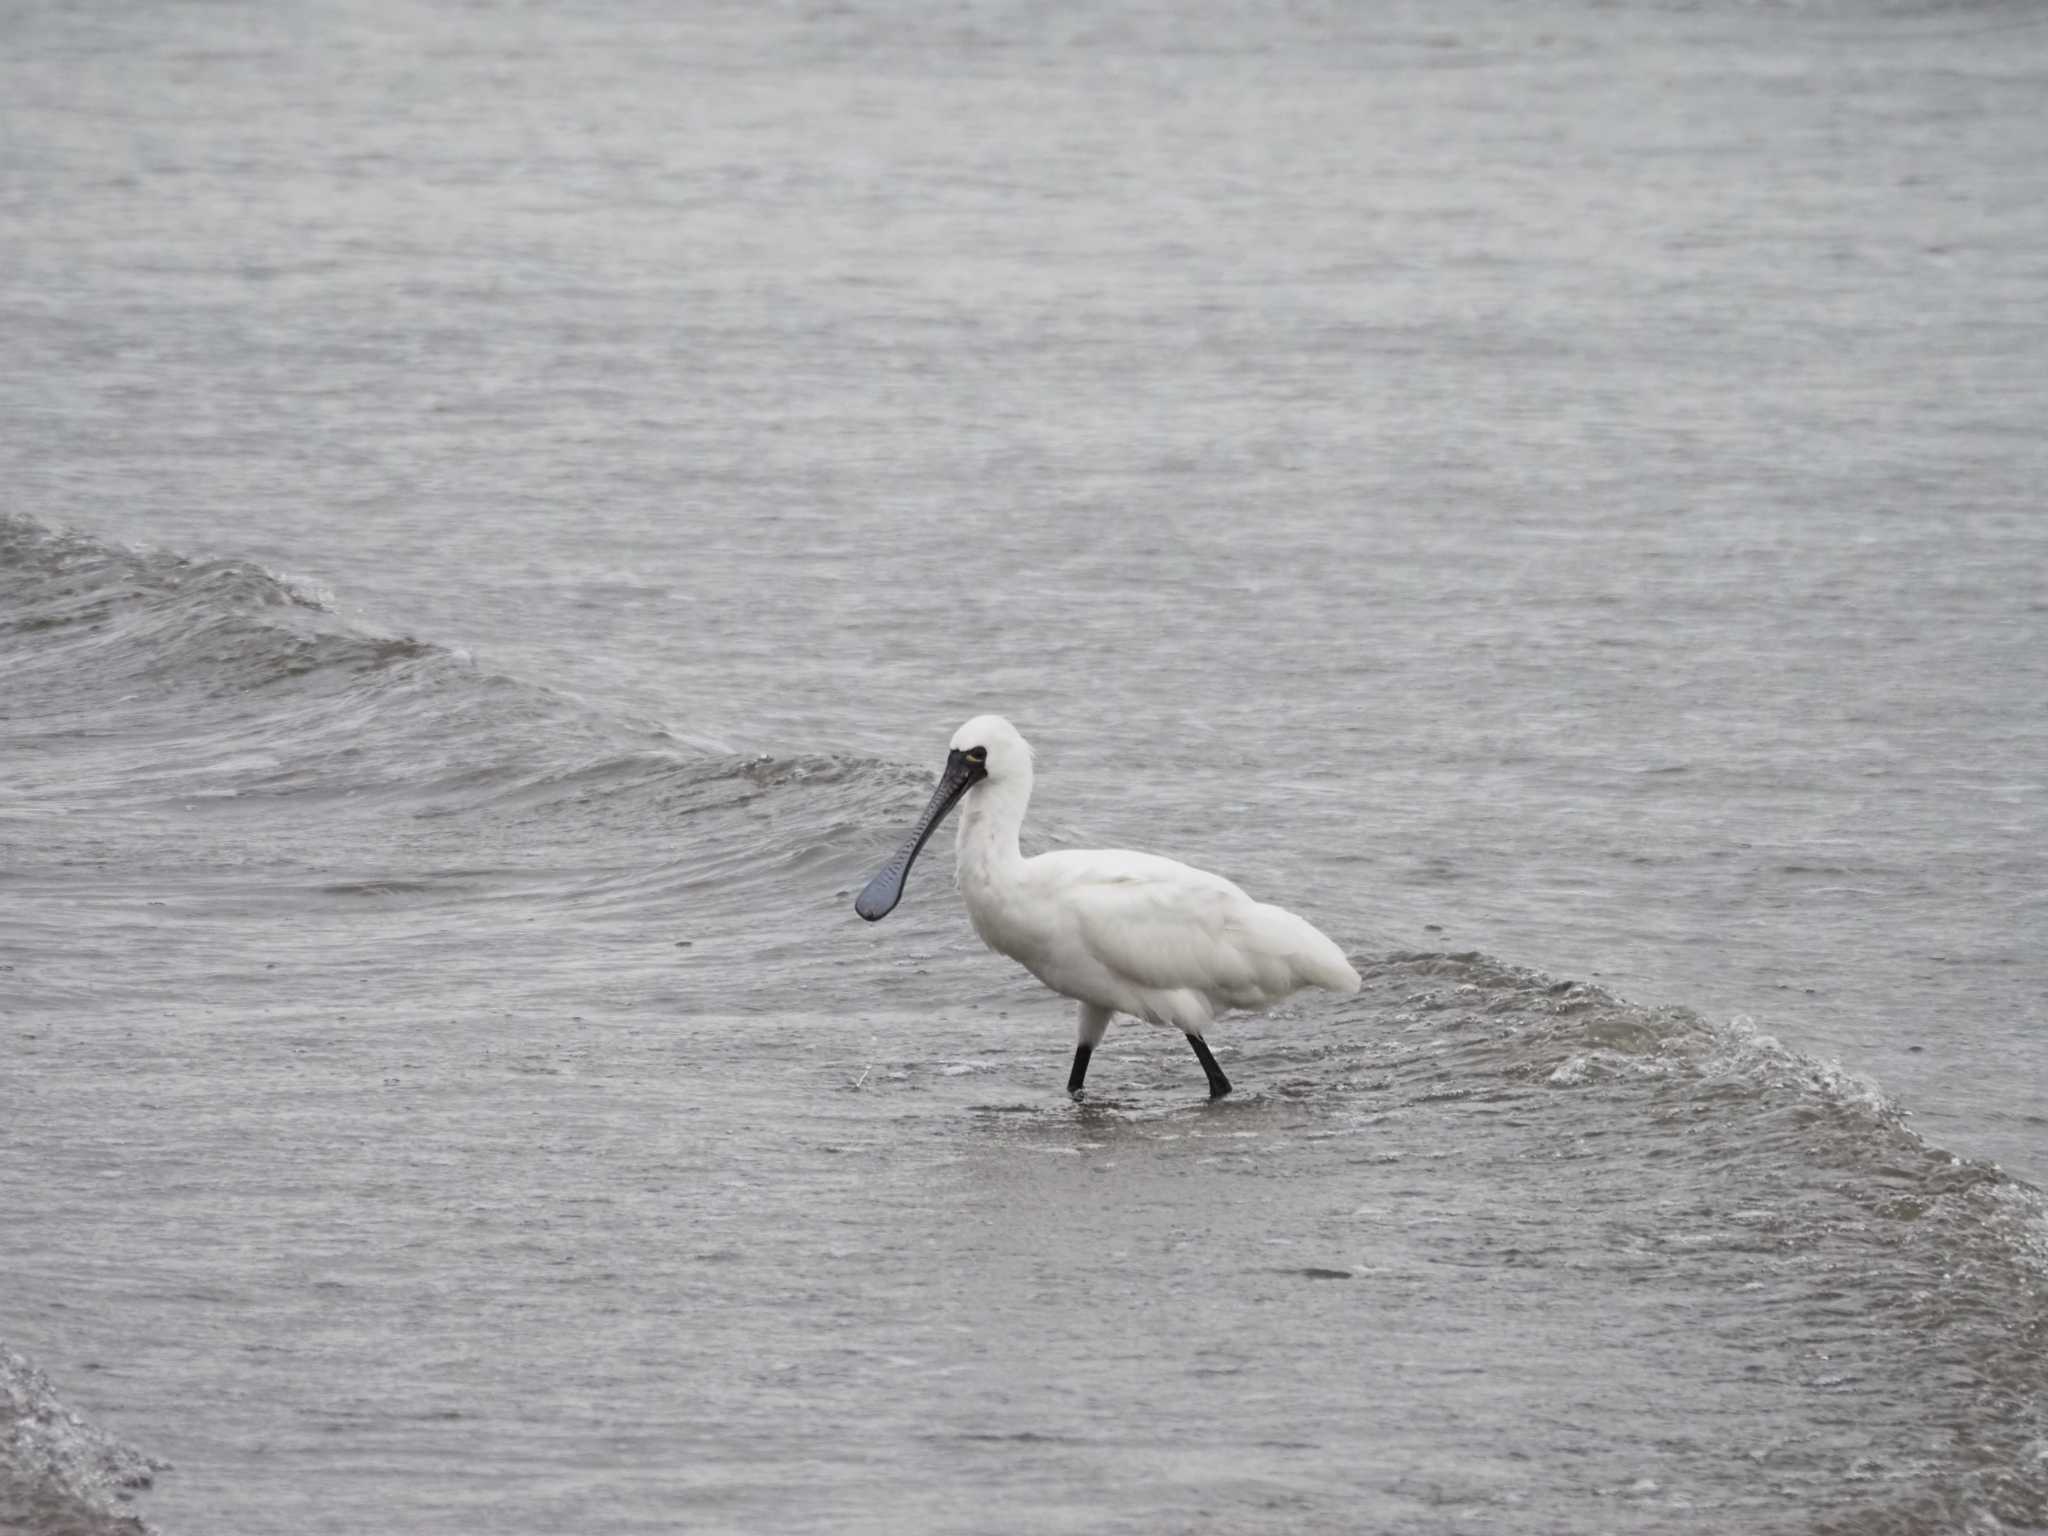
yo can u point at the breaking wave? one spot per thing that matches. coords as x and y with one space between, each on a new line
1810 1181
386 774
59 1474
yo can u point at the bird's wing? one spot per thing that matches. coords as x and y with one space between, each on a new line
1158 924
1119 866
1164 926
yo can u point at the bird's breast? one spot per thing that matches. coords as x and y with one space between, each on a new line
1005 918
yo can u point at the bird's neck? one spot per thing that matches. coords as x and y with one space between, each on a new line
989 819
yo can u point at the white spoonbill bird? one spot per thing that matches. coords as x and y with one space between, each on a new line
1119 932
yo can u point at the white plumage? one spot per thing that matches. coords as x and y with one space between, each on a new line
1119 932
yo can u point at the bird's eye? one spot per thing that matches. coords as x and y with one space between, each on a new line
977 754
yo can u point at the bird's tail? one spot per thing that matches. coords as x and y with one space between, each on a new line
1316 959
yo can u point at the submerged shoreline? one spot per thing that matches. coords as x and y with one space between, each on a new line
1851 1320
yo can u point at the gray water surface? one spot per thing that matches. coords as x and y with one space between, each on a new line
544 484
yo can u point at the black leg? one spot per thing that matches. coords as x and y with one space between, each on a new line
1219 1085
1075 1078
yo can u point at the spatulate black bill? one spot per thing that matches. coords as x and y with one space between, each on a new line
879 896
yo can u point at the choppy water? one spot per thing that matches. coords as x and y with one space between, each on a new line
500 509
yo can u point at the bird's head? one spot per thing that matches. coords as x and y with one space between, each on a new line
991 748
987 748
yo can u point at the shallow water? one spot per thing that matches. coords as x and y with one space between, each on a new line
1559 483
